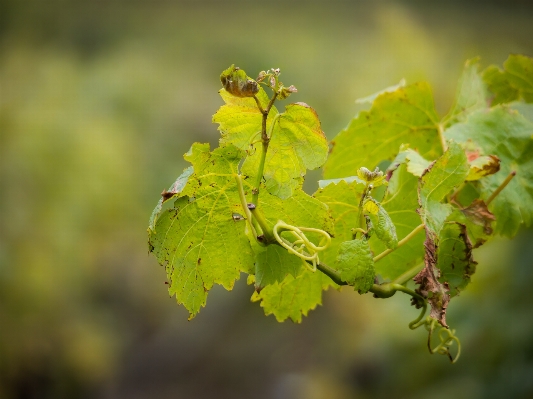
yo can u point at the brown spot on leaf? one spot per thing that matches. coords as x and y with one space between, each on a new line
479 214
167 194
472 155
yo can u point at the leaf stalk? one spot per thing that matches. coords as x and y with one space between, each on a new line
265 139
406 239
501 187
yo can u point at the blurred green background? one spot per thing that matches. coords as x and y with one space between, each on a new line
98 102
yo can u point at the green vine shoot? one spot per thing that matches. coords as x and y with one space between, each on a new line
450 184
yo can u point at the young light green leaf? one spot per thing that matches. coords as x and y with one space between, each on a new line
294 296
199 241
383 225
506 134
401 203
297 144
471 94
240 120
355 264
404 116
454 259
446 173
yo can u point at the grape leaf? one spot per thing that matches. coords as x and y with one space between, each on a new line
383 225
446 173
404 116
401 203
499 85
240 120
273 263
519 72
356 265
198 241
478 220
454 259
471 94
512 83
343 200
506 134
294 296
297 144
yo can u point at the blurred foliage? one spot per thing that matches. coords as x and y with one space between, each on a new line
98 102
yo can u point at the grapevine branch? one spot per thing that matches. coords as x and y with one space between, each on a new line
265 140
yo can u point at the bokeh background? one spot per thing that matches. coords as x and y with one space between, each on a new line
98 102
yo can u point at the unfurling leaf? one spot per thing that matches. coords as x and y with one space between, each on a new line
285 92
376 178
236 82
383 226
356 265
